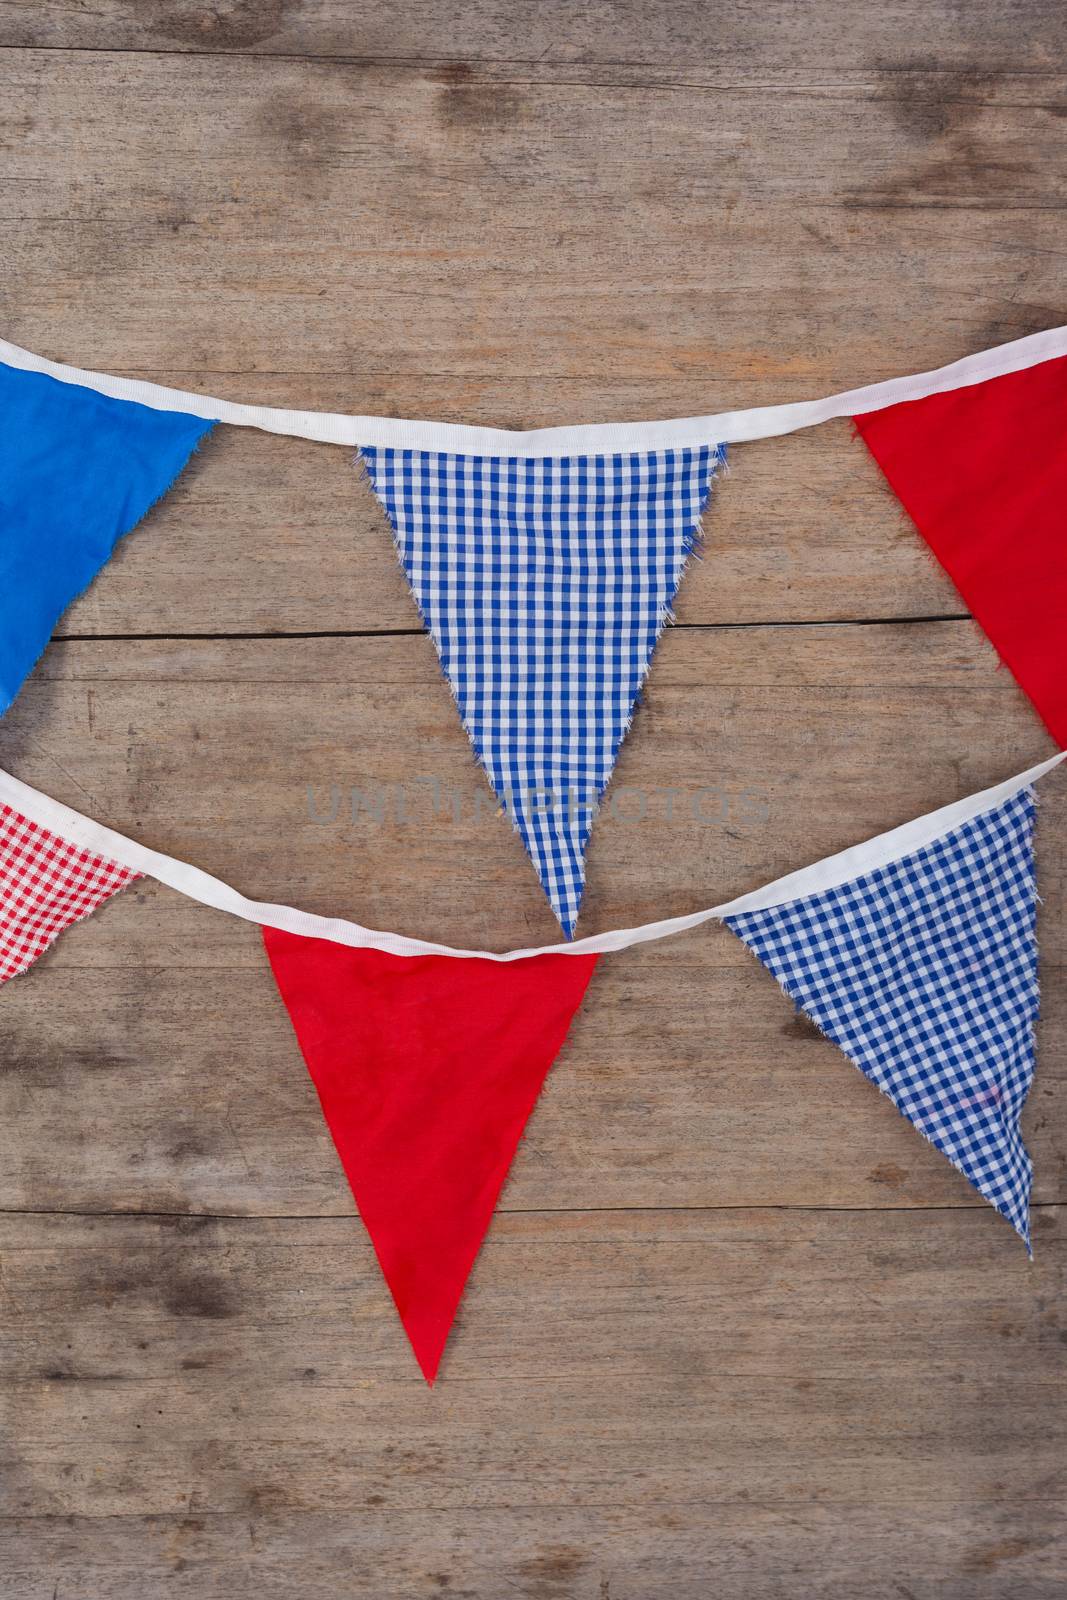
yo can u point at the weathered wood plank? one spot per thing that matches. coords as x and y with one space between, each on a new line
279 215
800 528
679 1289
804 529
106 1316
687 1080
712 1398
978 1551
689 41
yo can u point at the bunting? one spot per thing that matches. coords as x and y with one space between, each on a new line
545 584
545 565
915 953
77 471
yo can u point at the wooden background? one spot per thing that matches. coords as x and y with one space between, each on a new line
737 1331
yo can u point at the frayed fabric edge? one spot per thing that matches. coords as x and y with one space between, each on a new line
797 1005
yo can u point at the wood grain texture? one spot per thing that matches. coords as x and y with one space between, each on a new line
386 223
736 1331
334 772
757 1399
689 40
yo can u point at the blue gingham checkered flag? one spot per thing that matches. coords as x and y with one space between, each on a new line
925 973
545 583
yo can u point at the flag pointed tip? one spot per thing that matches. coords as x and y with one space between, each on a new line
427 1305
46 884
428 1347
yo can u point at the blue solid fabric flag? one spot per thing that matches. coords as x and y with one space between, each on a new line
77 471
545 583
925 973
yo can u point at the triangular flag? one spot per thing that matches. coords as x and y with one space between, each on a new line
77 471
46 883
427 1068
924 972
545 583
982 472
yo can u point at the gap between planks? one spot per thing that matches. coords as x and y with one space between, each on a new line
418 633
506 1211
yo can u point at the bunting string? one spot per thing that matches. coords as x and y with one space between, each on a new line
598 438
545 565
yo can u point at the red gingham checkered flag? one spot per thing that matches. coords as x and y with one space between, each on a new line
46 883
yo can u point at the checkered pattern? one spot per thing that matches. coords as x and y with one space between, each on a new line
545 584
925 973
45 885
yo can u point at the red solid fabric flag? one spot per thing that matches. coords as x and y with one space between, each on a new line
982 472
427 1068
